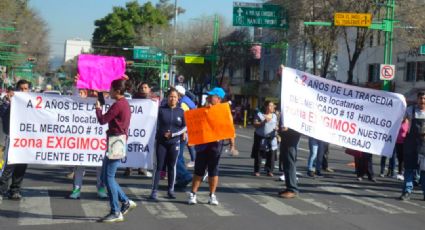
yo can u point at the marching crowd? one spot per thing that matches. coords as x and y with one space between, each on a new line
270 137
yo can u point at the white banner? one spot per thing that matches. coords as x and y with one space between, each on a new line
63 130
357 118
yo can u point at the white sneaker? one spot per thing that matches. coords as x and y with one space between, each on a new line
213 200
282 178
192 199
148 174
400 177
191 164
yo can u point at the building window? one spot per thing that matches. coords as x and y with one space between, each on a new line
411 71
420 73
373 73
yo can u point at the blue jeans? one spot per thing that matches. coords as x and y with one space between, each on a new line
115 193
313 147
182 175
409 175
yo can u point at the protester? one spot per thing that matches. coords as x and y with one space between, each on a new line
118 119
208 157
79 171
414 145
183 176
289 150
402 133
266 142
170 129
15 171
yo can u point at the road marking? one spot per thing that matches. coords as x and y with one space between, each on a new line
341 191
318 204
94 209
266 201
219 210
162 209
244 136
35 209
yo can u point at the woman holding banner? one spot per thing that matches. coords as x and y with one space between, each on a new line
170 130
118 119
79 171
266 142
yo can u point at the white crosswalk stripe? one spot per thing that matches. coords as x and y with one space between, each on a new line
162 209
220 210
264 200
36 207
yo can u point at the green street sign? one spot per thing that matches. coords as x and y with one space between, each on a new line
147 53
259 15
422 50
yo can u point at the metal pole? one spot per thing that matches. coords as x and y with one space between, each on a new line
172 66
388 47
214 50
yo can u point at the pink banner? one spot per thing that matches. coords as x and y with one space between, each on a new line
97 72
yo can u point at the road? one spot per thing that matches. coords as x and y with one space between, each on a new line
335 201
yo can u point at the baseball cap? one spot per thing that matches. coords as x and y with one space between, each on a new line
217 91
181 90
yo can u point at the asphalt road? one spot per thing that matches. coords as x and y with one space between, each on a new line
335 201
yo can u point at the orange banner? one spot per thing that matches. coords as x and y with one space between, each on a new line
206 125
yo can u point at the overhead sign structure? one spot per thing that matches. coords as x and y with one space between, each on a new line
352 19
194 60
259 15
387 72
147 53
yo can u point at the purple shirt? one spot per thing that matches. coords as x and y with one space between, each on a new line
117 117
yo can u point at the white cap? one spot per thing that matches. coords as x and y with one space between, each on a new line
181 90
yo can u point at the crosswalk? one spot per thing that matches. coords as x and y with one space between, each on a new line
40 204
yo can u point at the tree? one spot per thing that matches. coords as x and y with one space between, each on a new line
30 34
125 26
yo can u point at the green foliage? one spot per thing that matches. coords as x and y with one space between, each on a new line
121 27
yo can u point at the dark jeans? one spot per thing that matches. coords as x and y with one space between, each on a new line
288 150
364 165
270 158
399 152
16 172
391 165
325 162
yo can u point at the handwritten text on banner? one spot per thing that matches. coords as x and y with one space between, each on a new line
357 118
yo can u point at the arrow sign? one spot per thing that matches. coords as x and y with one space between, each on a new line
240 11
387 72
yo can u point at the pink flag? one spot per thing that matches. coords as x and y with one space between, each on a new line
97 72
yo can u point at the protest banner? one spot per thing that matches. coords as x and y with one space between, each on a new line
97 72
357 118
63 130
209 124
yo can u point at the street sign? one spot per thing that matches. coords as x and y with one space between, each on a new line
387 72
352 19
259 15
147 53
422 50
194 60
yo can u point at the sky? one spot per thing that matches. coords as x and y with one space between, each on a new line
68 19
